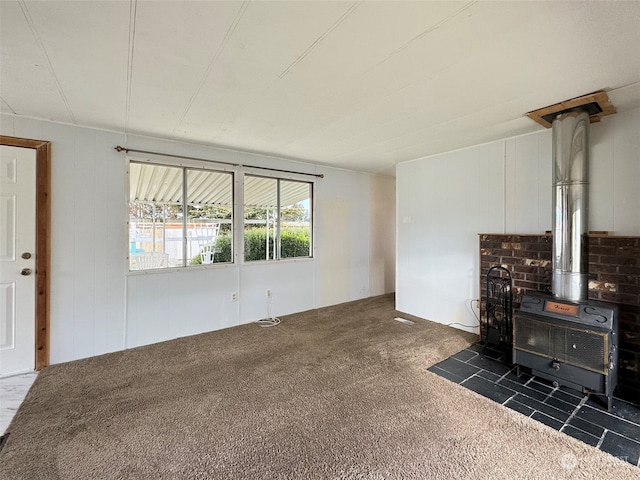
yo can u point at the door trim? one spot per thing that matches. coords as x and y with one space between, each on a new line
43 241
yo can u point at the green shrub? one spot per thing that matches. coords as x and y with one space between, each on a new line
223 244
255 247
294 243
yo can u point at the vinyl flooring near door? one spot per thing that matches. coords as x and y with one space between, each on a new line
17 259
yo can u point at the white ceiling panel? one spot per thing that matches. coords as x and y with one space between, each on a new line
359 85
271 38
337 70
400 86
87 44
177 45
627 98
27 84
5 108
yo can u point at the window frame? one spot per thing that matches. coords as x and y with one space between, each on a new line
278 239
238 173
185 167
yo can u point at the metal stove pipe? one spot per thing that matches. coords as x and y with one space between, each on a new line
570 206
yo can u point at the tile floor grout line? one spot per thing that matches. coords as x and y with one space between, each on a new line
512 397
580 430
445 371
548 395
633 424
504 376
602 438
467 361
583 403
620 434
575 411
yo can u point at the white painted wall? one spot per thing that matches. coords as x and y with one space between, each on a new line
98 307
382 223
444 201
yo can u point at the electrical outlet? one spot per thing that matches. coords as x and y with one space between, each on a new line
268 293
234 297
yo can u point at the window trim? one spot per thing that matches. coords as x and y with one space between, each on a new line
238 173
278 239
185 167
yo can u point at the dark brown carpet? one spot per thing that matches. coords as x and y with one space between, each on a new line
336 393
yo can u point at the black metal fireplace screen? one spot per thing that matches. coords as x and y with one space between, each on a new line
567 345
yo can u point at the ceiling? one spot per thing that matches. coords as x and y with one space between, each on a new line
358 85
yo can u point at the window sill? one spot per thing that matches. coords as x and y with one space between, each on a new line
153 271
282 260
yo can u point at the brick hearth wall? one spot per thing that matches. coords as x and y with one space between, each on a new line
614 276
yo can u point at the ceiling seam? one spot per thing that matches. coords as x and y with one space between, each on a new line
13 112
304 54
399 49
43 50
318 40
214 60
423 34
438 123
133 15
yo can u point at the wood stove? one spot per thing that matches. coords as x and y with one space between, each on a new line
571 344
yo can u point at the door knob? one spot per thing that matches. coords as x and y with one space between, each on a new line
25 271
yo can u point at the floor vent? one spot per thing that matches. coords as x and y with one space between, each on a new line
404 320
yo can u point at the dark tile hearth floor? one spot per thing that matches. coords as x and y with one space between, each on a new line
572 412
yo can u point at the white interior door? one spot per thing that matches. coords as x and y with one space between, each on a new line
17 259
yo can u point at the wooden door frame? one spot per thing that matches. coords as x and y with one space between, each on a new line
43 241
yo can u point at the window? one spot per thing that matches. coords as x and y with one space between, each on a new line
277 218
163 232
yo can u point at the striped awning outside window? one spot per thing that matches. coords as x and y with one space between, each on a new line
163 184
